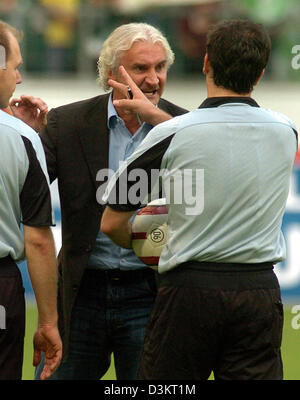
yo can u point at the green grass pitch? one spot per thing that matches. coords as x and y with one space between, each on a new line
290 347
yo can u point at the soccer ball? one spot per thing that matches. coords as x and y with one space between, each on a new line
149 231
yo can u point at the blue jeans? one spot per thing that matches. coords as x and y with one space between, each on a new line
109 316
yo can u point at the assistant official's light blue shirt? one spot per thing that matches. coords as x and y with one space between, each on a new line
106 254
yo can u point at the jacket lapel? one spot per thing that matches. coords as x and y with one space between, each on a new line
94 136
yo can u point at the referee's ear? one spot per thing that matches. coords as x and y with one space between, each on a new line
206 65
259 77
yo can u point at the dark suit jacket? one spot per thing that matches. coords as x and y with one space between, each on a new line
76 143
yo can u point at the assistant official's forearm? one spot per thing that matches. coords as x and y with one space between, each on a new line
42 268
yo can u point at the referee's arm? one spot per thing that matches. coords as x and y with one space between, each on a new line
35 201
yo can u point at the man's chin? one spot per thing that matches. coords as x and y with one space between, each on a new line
154 99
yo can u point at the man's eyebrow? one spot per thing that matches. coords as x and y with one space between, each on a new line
143 64
139 64
162 62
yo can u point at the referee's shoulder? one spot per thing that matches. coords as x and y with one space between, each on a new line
279 117
15 126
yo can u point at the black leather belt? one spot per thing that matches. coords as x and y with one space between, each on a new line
118 275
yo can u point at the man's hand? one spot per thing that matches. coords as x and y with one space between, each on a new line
42 268
47 339
31 110
116 225
139 104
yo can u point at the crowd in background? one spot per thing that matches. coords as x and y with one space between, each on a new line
66 36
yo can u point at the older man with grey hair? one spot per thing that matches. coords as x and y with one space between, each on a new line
106 293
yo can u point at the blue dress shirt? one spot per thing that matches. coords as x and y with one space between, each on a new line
106 254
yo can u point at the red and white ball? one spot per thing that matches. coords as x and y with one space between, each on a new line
149 231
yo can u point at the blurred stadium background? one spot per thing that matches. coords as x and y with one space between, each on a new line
62 40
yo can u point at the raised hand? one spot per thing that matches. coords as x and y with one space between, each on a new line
31 110
138 104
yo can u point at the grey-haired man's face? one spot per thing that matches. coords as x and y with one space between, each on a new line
146 63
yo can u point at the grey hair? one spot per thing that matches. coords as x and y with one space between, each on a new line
121 40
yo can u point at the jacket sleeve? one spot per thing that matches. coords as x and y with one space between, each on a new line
49 136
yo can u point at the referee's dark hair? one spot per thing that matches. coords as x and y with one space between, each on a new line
238 51
5 29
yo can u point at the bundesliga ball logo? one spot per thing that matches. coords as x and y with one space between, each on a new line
157 235
149 230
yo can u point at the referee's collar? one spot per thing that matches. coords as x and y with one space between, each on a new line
218 101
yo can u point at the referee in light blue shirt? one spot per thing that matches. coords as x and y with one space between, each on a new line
218 308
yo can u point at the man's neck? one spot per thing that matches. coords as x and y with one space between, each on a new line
218 91
225 93
130 120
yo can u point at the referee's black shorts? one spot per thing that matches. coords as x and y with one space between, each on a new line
12 320
210 319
